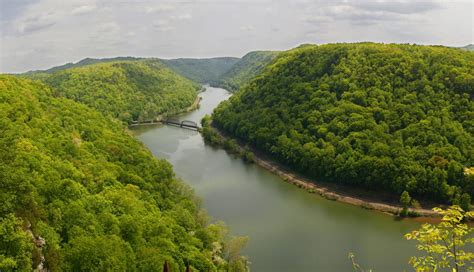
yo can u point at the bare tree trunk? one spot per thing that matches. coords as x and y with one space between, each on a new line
166 267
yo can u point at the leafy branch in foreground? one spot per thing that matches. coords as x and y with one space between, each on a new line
444 242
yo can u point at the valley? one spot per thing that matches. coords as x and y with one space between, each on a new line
384 127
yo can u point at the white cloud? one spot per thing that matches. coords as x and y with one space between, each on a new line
364 12
182 17
247 28
36 22
159 8
109 27
162 26
39 34
83 9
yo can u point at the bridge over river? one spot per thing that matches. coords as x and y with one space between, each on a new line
187 124
183 124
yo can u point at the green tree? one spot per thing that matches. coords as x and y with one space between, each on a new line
232 254
15 245
385 117
93 192
465 202
444 243
405 200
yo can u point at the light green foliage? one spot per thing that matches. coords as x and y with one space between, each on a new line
245 69
385 117
405 200
97 196
209 134
15 245
202 70
231 146
444 243
83 62
248 156
130 90
232 253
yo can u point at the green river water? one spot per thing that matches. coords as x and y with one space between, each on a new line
289 229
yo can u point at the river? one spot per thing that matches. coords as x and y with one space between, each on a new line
289 229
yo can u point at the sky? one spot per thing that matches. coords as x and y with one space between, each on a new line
39 34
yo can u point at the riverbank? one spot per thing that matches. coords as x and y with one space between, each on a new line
158 119
283 222
334 192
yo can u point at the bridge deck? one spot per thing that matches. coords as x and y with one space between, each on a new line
183 124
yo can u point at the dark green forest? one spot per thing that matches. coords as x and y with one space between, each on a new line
128 90
204 71
95 194
245 69
384 117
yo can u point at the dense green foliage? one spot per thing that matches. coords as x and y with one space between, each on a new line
405 201
386 117
213 137
84 62
96 195
131 90
245 69
202 70
15 245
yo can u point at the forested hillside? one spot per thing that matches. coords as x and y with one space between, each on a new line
129 90
384 117
97 197
83 62
202 70
245 69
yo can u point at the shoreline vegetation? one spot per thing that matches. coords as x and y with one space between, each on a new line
157 120
79 193
388 118
219 138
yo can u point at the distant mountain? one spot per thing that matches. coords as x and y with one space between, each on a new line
127 90
245 69
208 70
469 47
84 62
202 70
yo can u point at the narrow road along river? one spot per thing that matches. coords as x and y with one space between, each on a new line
289 229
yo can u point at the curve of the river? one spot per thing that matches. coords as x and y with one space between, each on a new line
289 229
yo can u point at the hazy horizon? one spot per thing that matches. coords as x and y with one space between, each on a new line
39 34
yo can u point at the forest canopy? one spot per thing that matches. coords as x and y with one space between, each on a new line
387 117
99 200
245 69
128 90
204 71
